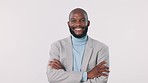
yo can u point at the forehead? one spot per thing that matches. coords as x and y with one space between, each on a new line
77 15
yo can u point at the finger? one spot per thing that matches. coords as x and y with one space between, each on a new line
102 63
54 64
57 61
51 64
102 74
55 67
103 67
104 70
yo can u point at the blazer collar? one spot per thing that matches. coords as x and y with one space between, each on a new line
69 54
86 57
87 54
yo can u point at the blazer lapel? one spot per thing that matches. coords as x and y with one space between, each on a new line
87 54
69 60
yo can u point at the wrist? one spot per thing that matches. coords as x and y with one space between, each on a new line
88 75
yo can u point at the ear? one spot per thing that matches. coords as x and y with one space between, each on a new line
88 23
68 23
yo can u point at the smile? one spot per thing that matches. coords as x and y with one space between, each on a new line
78 29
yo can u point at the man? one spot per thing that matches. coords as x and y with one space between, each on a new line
78 58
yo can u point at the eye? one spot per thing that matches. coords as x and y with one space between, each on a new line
73 20
83 20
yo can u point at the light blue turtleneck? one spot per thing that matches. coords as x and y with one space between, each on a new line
78 50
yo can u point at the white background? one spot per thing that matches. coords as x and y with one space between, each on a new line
28 27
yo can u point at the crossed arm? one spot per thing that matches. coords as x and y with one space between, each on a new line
56 72
97 71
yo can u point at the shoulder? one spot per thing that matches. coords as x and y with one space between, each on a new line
97 44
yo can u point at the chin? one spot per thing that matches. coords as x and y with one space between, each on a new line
80 35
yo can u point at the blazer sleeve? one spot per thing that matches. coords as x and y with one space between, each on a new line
103 55
60 76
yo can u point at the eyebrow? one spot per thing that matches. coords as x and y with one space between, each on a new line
80 18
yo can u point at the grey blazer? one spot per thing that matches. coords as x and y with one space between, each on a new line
95 52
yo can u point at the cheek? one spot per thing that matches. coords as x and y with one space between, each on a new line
70 25
84 24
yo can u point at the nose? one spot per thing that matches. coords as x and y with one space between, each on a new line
78 24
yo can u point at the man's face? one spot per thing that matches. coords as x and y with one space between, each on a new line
78 24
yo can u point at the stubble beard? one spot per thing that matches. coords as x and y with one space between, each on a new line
79 36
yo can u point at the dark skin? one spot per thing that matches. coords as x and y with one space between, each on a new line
97 71
78 20
56 64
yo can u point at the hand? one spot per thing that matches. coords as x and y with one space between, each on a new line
56 64
98 71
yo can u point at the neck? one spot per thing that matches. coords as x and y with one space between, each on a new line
79 41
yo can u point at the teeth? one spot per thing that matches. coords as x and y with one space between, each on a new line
78 29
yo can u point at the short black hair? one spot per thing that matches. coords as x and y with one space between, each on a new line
79 9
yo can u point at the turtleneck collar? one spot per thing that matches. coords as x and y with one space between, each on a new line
79 41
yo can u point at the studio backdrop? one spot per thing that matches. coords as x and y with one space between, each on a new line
28 27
